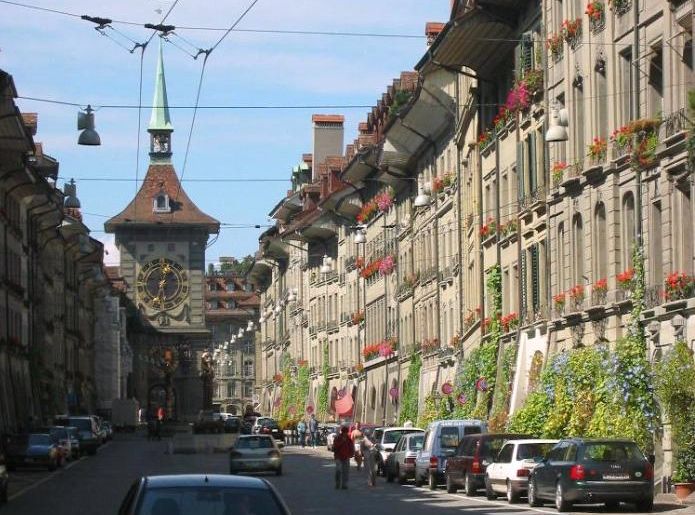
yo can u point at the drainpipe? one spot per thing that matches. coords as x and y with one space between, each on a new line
636 115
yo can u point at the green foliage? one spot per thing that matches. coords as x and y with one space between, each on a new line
239 267
675 388
595 392
429 411
401 98
323 389
691 136
482 362
410 395
503 392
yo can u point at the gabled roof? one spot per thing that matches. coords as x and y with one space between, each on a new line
162 178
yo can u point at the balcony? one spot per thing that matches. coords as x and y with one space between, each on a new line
332 326
321 326
446 276
404 291
653 296
312 331
429 275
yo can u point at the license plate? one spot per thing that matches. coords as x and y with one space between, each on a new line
444 464
616 477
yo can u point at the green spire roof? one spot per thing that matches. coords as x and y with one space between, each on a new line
160 119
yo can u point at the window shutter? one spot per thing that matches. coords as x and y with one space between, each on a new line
522 284
535 278
532 170
526 52
520 169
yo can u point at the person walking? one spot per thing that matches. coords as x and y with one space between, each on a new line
301 430
343 450
368 449
314 430
356 436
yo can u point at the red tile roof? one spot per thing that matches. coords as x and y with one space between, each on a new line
161 178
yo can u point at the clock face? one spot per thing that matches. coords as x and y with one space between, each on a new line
162 284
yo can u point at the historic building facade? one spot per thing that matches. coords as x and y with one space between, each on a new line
52 280
231 314
161 236
454 224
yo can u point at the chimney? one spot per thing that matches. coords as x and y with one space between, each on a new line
432 30
328 139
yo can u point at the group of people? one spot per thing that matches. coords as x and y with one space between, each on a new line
354 444
312 427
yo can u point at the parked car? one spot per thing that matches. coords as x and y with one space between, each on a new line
401 462
270 427
232 424
441 440
475 452
33 449
61 435
255 453
4 476
201 493
74 435
90 439
258 422
208 421
386 439
509 471
579 470
108 429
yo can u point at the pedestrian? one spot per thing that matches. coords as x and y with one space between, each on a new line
343 450
369 450
314 430
301 430
141 416
161 415
356 436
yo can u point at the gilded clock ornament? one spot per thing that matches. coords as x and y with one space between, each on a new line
162 284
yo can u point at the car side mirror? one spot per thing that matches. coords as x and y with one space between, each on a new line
651 458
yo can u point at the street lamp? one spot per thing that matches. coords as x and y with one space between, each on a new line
558 121
85 123
422 199
326 265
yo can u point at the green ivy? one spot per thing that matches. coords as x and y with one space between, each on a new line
503 393
675 387
323 389
429 411
410 395
691 136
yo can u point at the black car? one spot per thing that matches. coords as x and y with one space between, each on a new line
579 470
201 493
232 425
271 427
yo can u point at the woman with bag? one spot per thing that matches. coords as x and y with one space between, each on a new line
368 450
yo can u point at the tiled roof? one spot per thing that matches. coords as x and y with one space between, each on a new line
327 118
162 178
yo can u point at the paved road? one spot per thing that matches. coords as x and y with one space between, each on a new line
96 485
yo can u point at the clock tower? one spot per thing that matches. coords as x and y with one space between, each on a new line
161 236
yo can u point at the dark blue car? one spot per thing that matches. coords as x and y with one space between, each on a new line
33 450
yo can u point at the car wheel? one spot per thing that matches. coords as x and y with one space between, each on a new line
645 505
512 495
278 471
533 499
469 486
560 503
612 505
432 481
401 477
418 480
489 492
451 487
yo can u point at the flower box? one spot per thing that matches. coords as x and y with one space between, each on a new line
572 32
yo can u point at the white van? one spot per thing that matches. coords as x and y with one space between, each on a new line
442 437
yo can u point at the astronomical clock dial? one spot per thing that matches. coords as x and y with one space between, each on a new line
162 284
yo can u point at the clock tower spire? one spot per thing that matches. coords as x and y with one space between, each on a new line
160 127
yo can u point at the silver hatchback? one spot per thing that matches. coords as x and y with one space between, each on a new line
255 453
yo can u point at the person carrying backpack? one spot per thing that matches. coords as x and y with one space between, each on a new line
314 430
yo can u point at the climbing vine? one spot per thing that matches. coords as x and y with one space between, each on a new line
323 389
503 392
410 398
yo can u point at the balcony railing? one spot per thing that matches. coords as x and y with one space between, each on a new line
675 122
653 296
332 326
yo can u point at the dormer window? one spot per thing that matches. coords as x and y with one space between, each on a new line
161 203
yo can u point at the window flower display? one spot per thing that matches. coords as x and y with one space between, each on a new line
489 228
558 171
679 285
576 293
510 322
559 300
572 31
598 148
387 265
554 44
624 279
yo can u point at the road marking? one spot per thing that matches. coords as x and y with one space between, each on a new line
44 479
461 497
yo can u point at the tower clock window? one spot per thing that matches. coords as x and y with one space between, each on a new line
161 203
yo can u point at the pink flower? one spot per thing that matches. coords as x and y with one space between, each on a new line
386 265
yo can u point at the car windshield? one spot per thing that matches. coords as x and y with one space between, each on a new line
492 446
83 424
208 501
59 432
611 451
449 437
269 423
39 440
256 442
416 442
394 436
533 451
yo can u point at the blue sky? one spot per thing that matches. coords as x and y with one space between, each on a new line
62 57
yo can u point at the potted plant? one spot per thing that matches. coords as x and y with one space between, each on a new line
679 285
559 301
624 279
558 172
554 44
595 10
675 388
597 149
572 31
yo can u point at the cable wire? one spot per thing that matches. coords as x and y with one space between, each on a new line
238 20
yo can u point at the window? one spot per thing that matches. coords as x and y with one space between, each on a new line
578 119
656 81
161 203
683 232
578 251
248 368
600 243
601 102
505 455
562 262
655 251
628 230
449 437
248 389
625 86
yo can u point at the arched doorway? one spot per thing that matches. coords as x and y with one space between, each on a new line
157 397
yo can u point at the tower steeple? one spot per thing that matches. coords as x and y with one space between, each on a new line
160 127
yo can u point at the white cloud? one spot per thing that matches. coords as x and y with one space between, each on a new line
111 255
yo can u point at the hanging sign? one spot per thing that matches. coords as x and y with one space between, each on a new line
309 409
447 388
462 399
481 384
393 392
